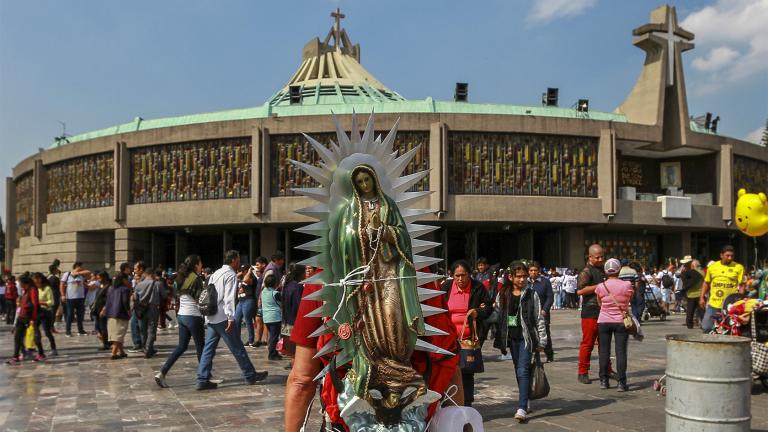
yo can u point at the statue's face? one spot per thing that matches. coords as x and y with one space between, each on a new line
364 183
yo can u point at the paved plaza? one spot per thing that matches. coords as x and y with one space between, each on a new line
82 390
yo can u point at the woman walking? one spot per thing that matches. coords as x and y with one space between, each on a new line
100 300
467 302
613 295
522 329
272 314
191 324
293 290
28 308
44 313
117 310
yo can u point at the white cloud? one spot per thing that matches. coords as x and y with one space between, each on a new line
547 10
755 136
731 38
716 59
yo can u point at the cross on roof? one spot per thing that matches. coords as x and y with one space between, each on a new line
337 15
673 34
672 39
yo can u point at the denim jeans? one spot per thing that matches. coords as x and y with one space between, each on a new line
234 343
710 316
273 330
608 331
246 309
521 356
44 323
135 332
75 306
148 328
190 327
101 327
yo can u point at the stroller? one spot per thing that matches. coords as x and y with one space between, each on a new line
652 306
748 318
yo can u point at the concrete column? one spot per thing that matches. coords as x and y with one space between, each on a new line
686 243
226 244
256 156
121 179
525 244
287 251
181 247
253 246
10 220
671 246
260 171
131 245
606 171
575 251
40 197
438 166
268 240
725 197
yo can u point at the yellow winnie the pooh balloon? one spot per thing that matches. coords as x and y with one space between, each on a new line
752 213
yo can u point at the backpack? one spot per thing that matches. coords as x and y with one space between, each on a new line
208 301
667 281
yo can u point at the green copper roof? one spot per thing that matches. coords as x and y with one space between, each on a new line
427 105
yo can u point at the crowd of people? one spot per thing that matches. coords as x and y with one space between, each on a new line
512 305
263 296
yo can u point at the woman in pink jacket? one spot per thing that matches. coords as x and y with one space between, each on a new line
613 295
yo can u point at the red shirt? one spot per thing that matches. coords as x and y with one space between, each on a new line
10 291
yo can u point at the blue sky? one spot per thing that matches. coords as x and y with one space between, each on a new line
93 63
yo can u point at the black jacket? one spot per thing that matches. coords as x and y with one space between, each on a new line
535 333
478 299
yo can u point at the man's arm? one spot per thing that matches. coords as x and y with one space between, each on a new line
550 297
703 295
300 388
581 284
63 289
230 288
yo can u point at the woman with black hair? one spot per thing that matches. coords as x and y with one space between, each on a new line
191 322
293 290
117 310
99 301
272 313
468 302
45 313
521 328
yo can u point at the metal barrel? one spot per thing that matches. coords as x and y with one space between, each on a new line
708 383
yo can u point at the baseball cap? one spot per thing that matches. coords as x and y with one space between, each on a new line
612 266
686 259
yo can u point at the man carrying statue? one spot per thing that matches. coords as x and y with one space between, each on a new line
372 327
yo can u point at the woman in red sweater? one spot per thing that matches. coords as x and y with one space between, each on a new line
28 308
10 299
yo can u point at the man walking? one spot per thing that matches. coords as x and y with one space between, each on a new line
73 295
543 288
222 324
277 260
54 281
692 279
149 293
723 278
588 280
138 276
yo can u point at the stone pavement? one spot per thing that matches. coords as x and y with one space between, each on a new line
82 390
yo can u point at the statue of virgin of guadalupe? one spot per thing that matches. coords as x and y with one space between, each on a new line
385 309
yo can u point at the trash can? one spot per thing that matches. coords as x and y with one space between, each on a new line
709 379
